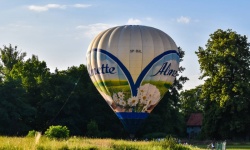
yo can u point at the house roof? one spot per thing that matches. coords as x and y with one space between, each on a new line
195 119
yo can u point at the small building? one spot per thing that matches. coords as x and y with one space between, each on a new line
194 124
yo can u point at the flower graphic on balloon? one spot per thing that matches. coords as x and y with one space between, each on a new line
148 96
132 101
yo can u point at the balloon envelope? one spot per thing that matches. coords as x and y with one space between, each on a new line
132 67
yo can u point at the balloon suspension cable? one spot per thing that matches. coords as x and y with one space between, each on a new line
52 120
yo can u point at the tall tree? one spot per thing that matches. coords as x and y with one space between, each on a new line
9 57
33 76
225 66
15 113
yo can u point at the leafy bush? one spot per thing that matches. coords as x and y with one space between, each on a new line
57 132
31 133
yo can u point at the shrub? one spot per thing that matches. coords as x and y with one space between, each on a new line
31 133
57 132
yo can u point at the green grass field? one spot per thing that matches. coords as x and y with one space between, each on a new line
81 143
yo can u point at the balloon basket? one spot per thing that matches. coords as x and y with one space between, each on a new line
132 121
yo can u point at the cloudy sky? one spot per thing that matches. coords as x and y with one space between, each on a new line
59 31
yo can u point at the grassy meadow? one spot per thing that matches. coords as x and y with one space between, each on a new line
81 143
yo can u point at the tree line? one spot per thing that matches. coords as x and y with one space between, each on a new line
34 98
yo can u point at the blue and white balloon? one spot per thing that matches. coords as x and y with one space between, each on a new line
132 67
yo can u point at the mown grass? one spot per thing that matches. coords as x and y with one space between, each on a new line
81 143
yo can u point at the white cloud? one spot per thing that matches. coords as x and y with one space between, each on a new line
81 5
133 21
184 20
38 8
93 29
45 7
56 6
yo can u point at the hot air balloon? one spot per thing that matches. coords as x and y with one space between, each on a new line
132 67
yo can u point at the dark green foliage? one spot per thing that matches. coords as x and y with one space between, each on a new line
191 101
32 97
31 133
10 56
224 64
57 132
15 113
92 129
155 135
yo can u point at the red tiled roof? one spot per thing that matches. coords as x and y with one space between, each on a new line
195 119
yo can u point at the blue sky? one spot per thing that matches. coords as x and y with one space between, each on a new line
59 31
